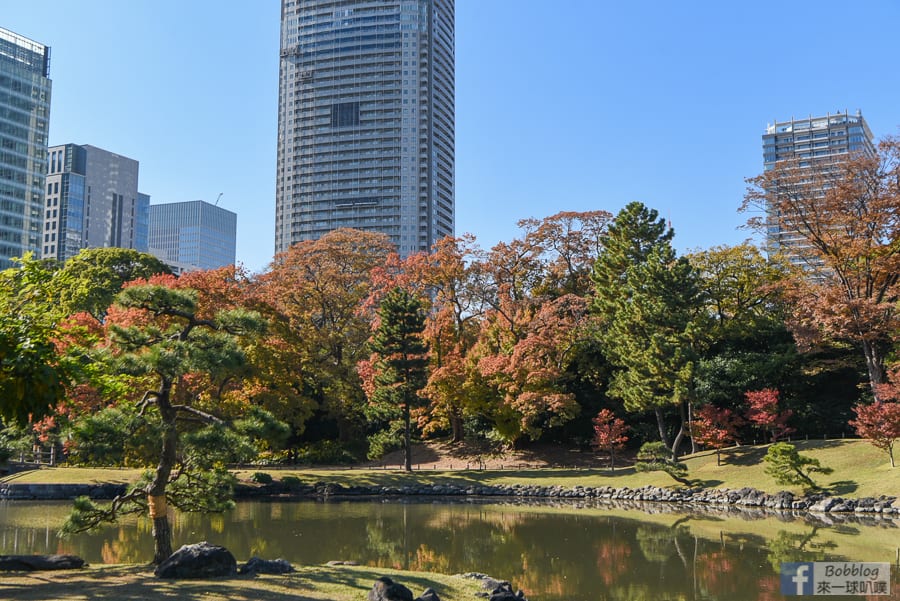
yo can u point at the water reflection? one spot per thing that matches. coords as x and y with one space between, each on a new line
555 554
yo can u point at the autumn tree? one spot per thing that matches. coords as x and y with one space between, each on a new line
400 361
764 412
845 215
715 427
569 243
313 297
609 434
879 423
157 335
444 279
520 373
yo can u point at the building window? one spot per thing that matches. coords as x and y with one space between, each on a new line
345 114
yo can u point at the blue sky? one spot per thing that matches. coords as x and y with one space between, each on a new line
564 105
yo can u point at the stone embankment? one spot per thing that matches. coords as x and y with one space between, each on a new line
744 498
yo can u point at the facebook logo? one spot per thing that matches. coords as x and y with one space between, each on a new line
797 578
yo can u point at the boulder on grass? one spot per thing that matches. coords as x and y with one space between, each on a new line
255 565
429 595
386 589
200 560
30 563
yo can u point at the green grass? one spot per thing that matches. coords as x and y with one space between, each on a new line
309 583
860 470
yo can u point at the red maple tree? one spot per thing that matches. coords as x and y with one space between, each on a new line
764 412
716 428
609 434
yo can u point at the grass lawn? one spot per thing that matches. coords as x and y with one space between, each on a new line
860 470
309 583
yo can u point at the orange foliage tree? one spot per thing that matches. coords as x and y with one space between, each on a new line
846 215
313 296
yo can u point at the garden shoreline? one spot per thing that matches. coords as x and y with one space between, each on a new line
745 499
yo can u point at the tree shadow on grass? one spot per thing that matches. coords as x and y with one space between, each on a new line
744 455
841 487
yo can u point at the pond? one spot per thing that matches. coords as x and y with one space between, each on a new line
565 551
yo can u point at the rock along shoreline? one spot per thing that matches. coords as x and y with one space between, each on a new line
744 498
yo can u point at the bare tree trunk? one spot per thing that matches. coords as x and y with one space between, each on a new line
456 425
874 365
662 426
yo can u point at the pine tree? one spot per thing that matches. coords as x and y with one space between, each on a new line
401 364
650 304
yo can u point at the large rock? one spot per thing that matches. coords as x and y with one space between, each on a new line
386 589
29 563
201 560
504 592
428 595
255 565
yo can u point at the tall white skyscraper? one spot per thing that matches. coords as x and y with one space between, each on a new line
366 120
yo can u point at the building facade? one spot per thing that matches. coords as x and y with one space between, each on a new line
193 235
814 143
92 201
24 122
366 120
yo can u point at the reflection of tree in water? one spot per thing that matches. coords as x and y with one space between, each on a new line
797 546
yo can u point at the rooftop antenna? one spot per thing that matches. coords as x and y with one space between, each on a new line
215 204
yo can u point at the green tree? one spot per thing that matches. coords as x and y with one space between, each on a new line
650 305
400 360
156 336
31 377
90 280
788 467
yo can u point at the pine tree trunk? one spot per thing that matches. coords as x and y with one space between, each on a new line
407 439
162 539
156 492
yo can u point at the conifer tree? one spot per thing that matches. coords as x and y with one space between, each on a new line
401 361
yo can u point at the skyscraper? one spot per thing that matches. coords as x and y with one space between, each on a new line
92 202
817 144
366 120
24 121
193 235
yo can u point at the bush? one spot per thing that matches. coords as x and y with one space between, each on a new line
325 452
656 457
291 482
788 467
261 478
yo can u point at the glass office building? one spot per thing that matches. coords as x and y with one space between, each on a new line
366 120
24 122
92 201
812 143
193 235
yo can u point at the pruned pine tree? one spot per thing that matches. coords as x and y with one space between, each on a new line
156 337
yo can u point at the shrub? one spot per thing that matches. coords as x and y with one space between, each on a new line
788 467
656 457
291 481
261 478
